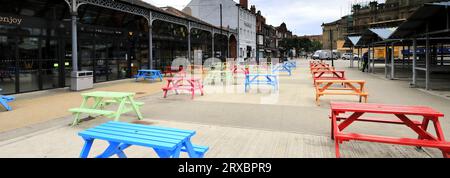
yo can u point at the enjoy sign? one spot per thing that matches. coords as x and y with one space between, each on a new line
10 20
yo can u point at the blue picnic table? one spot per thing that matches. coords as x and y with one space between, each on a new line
285 67
4 100
167 142
291 64
149 74
258 79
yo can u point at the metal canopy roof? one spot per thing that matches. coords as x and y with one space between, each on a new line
436 15
354 39
383 33
351 41
373 35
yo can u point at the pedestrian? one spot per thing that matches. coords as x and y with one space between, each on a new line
365 61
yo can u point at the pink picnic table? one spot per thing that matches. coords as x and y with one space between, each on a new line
190 84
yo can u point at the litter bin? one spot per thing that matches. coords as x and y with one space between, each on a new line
82 80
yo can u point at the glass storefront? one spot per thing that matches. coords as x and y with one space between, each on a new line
36 45
36 52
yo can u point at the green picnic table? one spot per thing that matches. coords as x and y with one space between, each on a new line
125 100
217 75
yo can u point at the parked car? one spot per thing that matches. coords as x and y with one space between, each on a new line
347 56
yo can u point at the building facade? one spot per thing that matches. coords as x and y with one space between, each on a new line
282 33
260 35
229 15
247 31
270 41
389 14
334 33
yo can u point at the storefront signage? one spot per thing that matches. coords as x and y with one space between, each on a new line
10 20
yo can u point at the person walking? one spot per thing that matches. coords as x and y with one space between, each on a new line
365 61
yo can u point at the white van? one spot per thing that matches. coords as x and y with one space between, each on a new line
322 55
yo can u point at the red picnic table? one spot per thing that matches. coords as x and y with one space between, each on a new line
178 83
239 69
169 70
328 75
425 139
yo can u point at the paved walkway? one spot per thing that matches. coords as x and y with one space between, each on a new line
40 107
234 124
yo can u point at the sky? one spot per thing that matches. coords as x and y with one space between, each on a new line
302 17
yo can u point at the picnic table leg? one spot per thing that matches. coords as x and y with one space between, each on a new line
247 84
162 153
86 148
120 109
135 107
176 152
318 99
201 87
336 147
190 150
98 103
424 126
333 124
168 85
77 115
440 135
111 150
5 104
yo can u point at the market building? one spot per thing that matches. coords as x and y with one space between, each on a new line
113 39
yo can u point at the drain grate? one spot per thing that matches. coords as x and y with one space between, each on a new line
141 93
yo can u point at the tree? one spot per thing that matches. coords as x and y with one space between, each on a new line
300 44
316 45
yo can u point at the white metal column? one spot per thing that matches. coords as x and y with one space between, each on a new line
74 13
427 63
385 60
189 42
392 61
414 77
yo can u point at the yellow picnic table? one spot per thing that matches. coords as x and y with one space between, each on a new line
103 98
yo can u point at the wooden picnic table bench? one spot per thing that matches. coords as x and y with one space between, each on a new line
324 87
321 68
291 63
166 142
240 70
4 100
177 83
149 74
221 75
169 70
328 75
314 65
125 100
284 67
354 112
255 79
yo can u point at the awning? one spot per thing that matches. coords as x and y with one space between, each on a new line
351 41
354 39
374 35
383 33
435 14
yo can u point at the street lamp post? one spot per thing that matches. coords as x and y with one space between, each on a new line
331 47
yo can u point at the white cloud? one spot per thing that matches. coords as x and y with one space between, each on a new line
301 16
